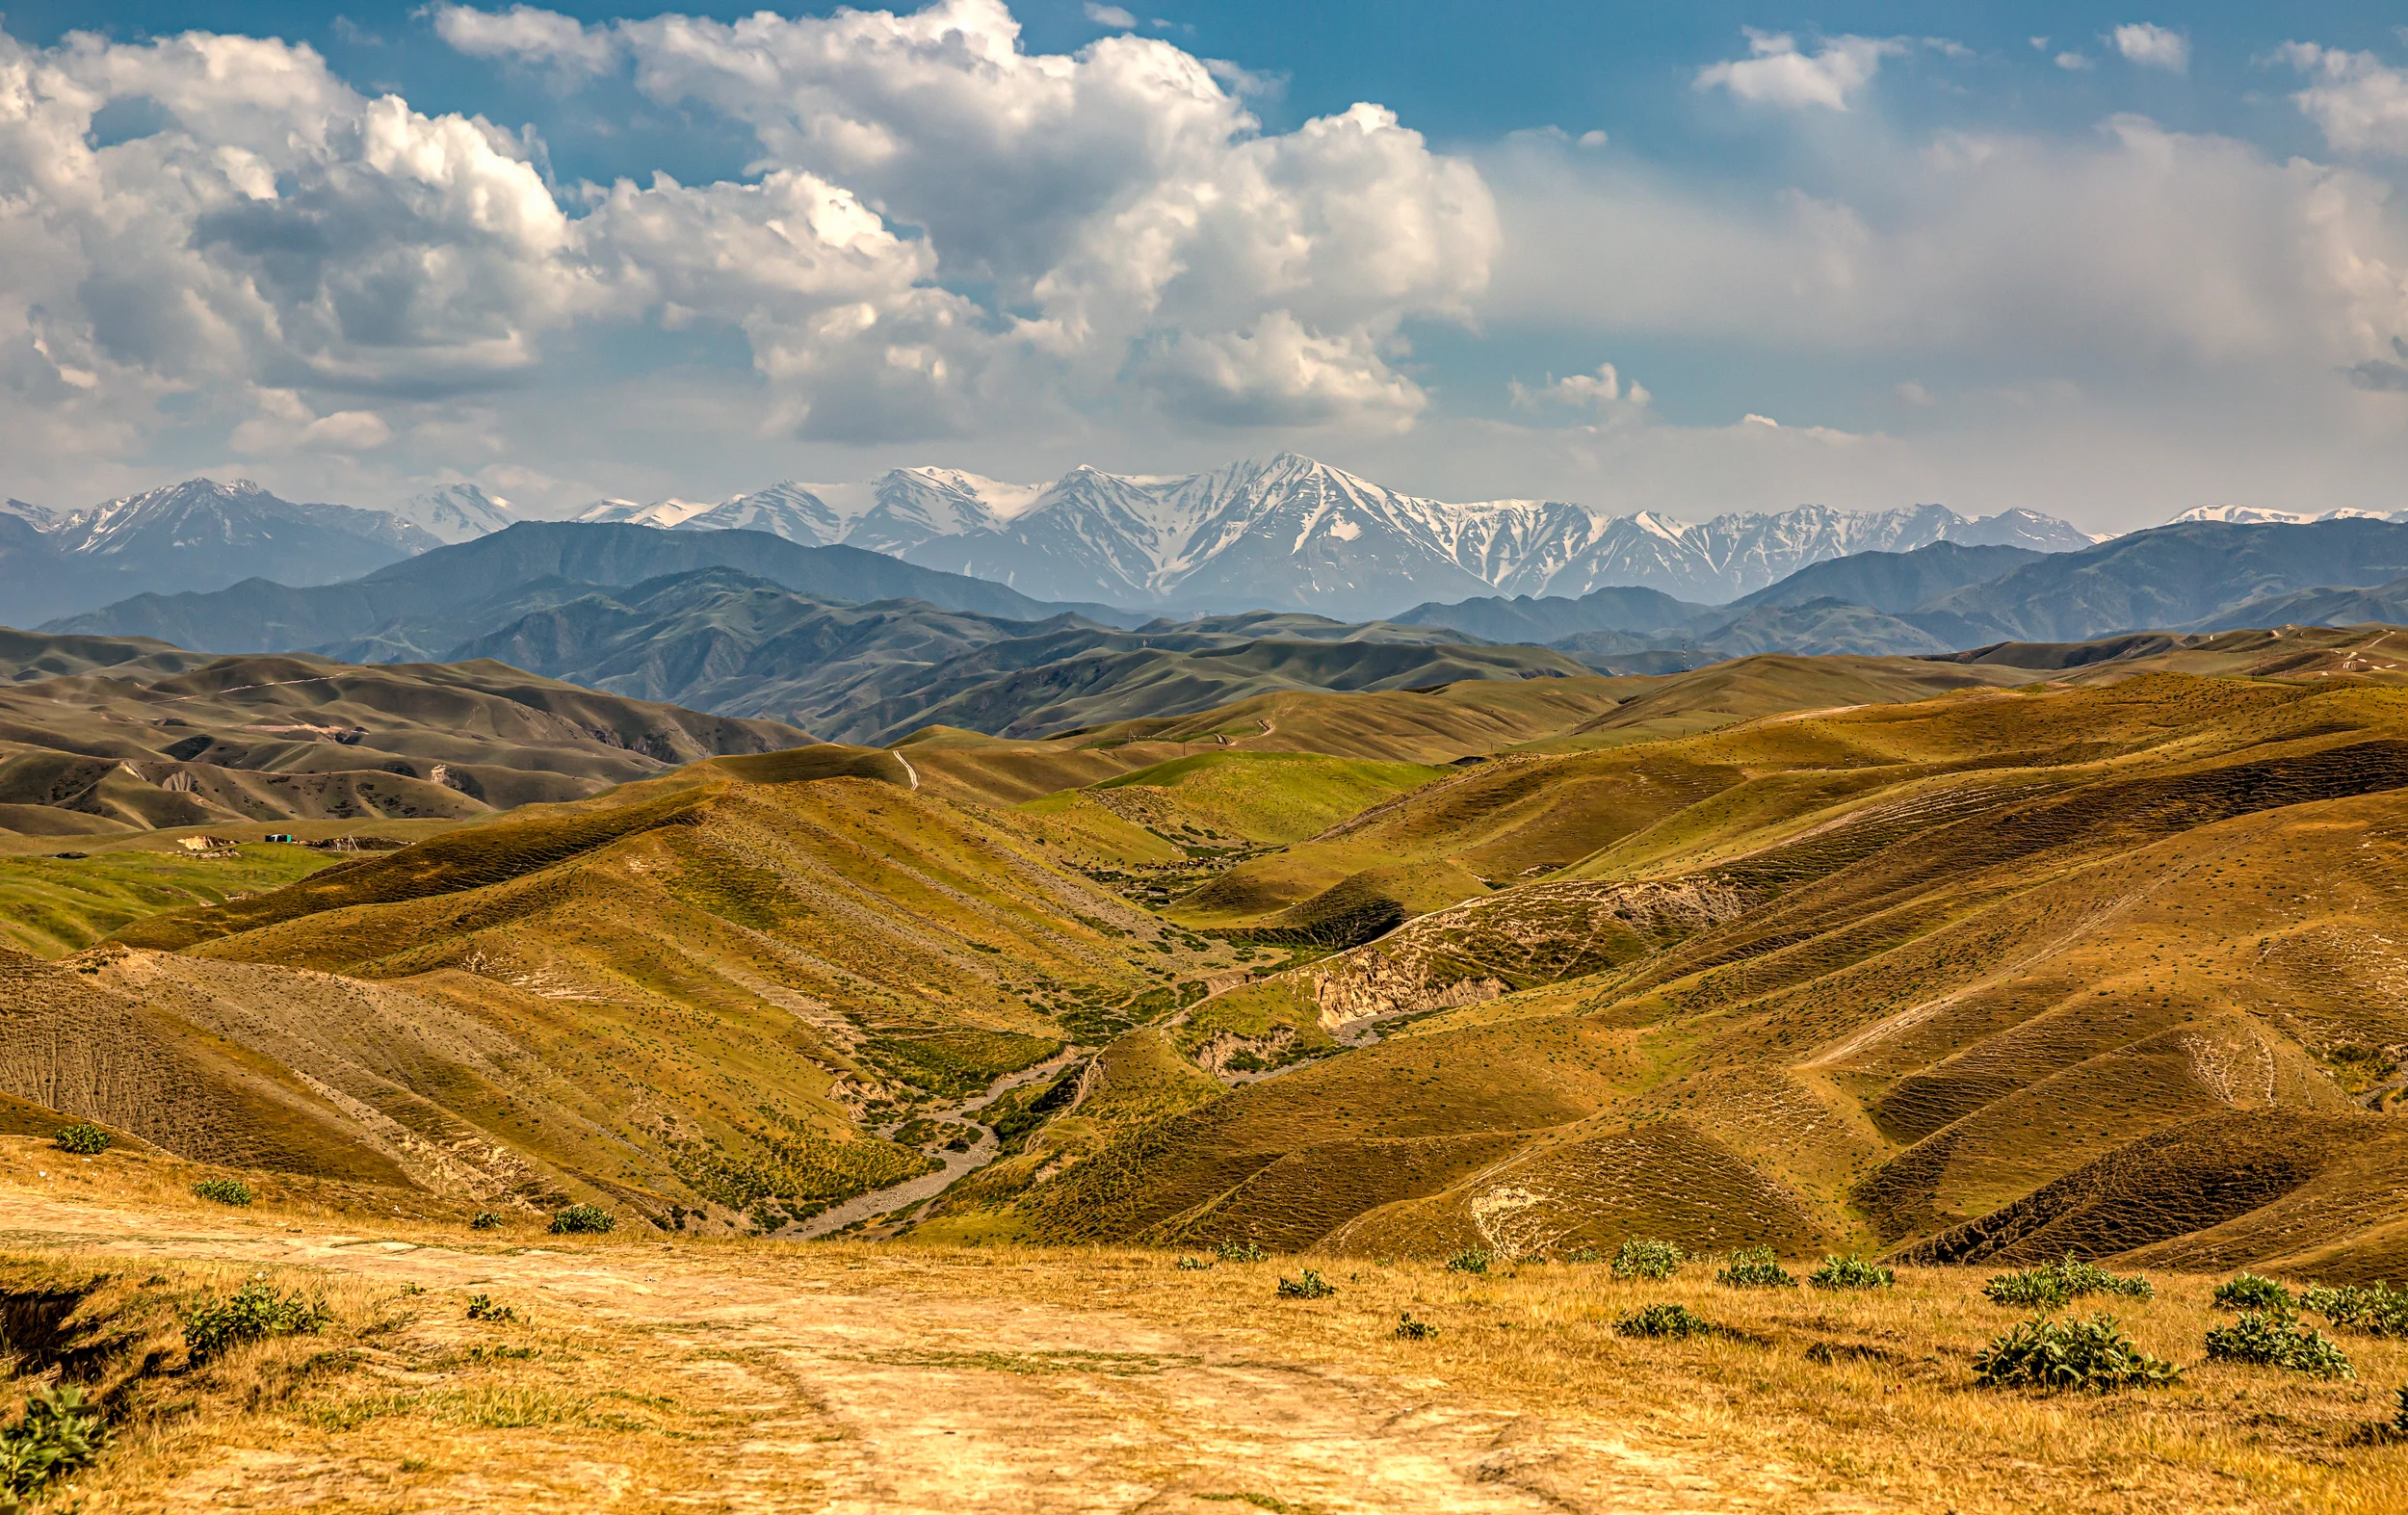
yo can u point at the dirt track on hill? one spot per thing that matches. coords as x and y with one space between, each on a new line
940 1393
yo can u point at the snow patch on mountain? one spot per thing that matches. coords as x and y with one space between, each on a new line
2256 515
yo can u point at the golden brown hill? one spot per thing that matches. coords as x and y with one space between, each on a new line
164 739
704 990
1871 974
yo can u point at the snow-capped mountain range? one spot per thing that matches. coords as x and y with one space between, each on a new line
202 514
1273 533
198 535
1286 531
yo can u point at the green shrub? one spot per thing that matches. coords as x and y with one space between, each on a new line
1645 1257
1242 1252
481 1307
1471 1260
1754 1268
2031 1287
1850 1272
85 1138
2089 1278
483 1220
581 1220
2053 1284
2056 1356
1312 1285
1195 1265
61 1433
2377 1309
1585 1254
253 1312
1666 1319
2245 1290
225 1190
2270 1338
1409 1329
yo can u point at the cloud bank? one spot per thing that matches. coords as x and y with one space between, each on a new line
947 246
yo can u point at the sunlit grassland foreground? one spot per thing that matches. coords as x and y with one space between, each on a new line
632 1373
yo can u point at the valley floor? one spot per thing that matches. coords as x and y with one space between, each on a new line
647 1375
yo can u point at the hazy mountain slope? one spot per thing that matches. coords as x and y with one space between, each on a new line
2385 603
1553 617
720 640
1074 679
198 535
2168 577
1892 582
1817 626
172 738
434 586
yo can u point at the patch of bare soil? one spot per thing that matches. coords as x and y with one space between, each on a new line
841 1381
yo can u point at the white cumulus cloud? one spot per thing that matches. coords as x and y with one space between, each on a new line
1111 16
1601 392
2153 47
1775 73
2360 104
1122 202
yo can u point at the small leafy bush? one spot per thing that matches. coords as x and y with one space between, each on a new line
1243 1252
2057 1356
1312 1285
1665 1319
2053 1284
225 1190
1471 1260
1409 1329
61 1432
1645 1257
1850 1272
2272 1339
2030 1287
483 1220
2245 1290
1584 1254
1195 1265
85 1138
2377 1309
253 1312
2089 1278
583 1220
481 1307
1754 1268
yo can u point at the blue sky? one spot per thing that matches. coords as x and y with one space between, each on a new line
2108 262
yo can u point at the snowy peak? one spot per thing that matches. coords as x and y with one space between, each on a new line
666 514
791 511
40 517
2254 515
203 514
455 512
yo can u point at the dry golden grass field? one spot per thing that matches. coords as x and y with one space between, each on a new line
643 1374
